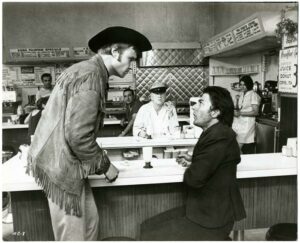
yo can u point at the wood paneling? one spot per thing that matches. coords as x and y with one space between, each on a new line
122 209
31 215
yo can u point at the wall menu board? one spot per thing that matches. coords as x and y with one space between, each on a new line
81 51
288 65
248 30
219 43
10 75
25 75
32 53
234 36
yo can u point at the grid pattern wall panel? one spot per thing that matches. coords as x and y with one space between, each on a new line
183 82
172 57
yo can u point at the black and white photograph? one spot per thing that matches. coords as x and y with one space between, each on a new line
149 121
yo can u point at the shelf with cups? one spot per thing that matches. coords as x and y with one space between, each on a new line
234 71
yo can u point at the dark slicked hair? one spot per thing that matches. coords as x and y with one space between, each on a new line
42 101
46 75
221 100
247 81
130 90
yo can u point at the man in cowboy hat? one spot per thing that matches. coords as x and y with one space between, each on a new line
156 118
64 150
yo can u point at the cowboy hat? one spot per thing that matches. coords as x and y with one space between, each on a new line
119 34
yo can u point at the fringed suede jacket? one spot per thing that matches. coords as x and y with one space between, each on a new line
64 149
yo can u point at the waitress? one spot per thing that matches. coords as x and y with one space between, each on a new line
244 120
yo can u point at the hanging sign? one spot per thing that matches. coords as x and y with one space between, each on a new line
32 53
289 41
248 30
81 51
288 66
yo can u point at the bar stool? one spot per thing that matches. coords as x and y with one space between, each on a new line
282 232
118 238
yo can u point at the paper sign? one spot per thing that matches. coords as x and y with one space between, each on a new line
248 30
33 53
81 51
288 66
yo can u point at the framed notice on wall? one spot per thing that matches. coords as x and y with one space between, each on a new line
288 70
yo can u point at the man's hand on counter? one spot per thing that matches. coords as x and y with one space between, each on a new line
111 174
184 159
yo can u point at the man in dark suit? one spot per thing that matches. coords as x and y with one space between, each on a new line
213 199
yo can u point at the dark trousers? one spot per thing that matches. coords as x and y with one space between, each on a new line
173 225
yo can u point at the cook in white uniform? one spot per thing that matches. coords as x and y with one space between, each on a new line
156 118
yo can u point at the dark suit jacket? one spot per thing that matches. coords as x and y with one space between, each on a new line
213 197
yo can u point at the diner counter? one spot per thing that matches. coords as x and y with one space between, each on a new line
138 142
163 171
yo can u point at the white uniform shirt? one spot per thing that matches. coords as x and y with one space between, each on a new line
156 125
244 126
42 93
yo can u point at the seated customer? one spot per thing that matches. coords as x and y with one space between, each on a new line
213 198
33 118
156 118
132 106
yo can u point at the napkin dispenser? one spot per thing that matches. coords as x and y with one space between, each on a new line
292 143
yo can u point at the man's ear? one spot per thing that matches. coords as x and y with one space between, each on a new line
115 52
215 113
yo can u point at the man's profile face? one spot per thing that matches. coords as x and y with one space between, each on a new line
128 97
47 82
202 111
123 61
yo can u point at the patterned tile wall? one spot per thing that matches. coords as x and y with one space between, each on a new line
184 82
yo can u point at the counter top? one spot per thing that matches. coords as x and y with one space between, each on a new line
268 121
163 171
107 121
137 142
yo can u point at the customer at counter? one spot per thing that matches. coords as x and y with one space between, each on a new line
33 118
157 118
47 89
132 106
64 150
213 198
244 120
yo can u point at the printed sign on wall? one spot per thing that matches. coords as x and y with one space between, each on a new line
33 53
248 30
288 66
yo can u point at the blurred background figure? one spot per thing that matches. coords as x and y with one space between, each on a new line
33 118
47 86
132 106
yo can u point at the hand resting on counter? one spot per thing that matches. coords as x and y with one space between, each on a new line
184 159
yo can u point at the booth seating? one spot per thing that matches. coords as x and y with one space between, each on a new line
282 232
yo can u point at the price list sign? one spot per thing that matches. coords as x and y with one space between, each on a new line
288 65
33 53
220 43
248 30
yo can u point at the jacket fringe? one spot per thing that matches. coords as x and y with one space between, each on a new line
98 166
70 202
